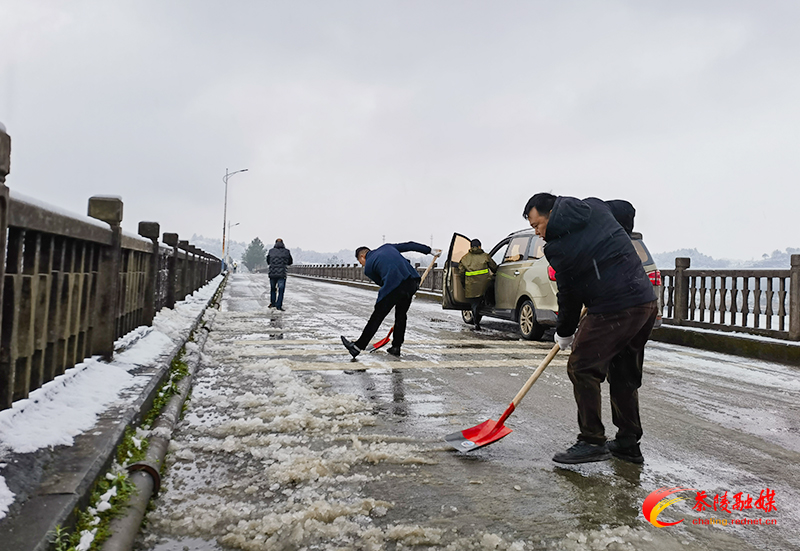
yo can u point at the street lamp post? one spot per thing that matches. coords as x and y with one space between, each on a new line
225 210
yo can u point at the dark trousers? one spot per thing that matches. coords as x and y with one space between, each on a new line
610 346
276 287
474 304
400 300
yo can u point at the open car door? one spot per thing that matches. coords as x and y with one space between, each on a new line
453 295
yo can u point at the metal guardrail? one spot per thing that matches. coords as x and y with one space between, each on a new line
71 285
758 302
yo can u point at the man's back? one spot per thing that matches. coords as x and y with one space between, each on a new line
388 268
278 258
476 267
594 259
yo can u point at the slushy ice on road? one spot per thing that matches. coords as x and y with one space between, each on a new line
288 444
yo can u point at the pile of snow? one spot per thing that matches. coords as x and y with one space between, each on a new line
621 538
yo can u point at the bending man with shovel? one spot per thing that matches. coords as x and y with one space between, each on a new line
398 280
597 266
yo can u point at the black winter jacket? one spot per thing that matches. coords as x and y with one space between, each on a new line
594 260
278 258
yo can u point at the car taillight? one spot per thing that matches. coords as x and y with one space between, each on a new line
655 277
551 273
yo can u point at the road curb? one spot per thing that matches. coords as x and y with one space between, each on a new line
773 351
68 473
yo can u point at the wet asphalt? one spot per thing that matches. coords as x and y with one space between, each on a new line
714 423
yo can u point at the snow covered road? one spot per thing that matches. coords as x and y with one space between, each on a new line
287 444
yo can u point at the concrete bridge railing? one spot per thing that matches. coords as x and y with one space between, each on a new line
758 302
71 285
354 272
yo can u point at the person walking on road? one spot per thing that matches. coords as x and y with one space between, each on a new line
398 281
476 267
279 259
597 266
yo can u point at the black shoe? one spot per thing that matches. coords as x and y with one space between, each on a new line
631 454
351 347
271 305
583 452
477 327
394 351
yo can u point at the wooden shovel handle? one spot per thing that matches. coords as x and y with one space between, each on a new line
428 269
542 366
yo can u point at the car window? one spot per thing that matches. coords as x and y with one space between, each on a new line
537 248
642 251
517 248
498 251
498 256
460 247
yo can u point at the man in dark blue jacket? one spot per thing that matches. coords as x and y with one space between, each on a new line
597 266
398 280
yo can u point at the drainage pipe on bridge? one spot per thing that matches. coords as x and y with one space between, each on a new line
145 475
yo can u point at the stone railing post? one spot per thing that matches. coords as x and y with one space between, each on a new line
109 210
151 231
794 299
681 312
171 239
5 168
195 269
184 275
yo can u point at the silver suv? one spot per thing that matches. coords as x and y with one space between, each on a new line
524 289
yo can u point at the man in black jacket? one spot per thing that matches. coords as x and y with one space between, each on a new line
597 266
279 258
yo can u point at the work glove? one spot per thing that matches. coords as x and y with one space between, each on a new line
565 343
436 252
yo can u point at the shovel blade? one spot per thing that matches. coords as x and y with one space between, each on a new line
383 341
380 343
478 436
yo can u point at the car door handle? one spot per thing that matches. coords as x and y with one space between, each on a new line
516 272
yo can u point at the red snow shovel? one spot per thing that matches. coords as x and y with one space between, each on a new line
385 340
491 431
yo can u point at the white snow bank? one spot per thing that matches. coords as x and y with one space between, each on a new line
6 497
63 408
70 404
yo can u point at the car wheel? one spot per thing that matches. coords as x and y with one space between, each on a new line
530 329
466 315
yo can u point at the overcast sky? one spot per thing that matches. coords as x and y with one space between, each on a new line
359 120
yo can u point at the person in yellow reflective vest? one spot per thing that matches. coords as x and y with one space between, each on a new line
477 268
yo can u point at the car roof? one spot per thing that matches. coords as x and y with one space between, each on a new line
523 231
530 231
